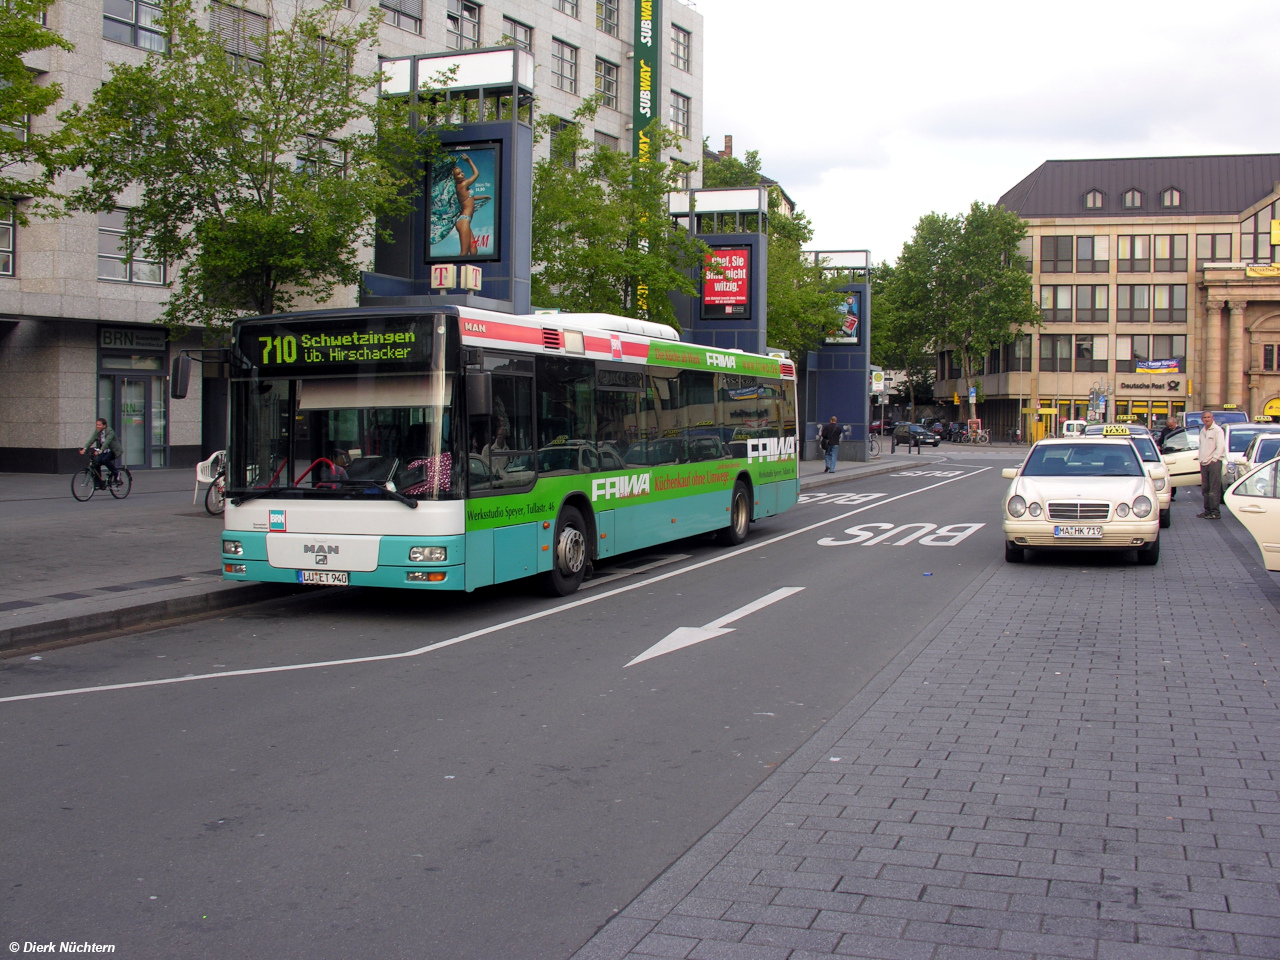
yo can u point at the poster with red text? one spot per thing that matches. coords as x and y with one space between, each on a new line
726 283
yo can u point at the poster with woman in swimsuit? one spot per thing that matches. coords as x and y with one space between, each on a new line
462 202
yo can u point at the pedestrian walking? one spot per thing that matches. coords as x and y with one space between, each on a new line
1213 447
829 440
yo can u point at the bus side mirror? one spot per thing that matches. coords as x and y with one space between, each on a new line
479 393
180 378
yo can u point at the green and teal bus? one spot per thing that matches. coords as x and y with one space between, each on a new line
450 448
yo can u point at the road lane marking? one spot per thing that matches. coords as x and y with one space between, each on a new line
495 628
927 534
682 637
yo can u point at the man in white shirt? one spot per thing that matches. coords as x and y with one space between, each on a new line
1213 447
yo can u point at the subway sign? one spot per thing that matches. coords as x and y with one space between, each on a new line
647 70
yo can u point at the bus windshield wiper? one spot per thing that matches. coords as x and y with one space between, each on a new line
383 488
239 498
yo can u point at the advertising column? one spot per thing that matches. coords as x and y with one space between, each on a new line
646 95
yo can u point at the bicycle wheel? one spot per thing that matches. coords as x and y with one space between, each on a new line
984 438
124 483
215 500
82 485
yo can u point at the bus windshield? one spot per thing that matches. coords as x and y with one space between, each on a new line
346 409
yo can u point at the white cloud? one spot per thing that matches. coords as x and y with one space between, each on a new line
871 115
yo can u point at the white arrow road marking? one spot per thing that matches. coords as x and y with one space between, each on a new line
688 636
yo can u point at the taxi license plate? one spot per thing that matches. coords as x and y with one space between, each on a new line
1078 533
332 577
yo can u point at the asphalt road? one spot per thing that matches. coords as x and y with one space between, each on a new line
392 775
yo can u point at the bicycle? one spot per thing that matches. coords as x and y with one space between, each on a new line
92 479
982 436
874 446
215 498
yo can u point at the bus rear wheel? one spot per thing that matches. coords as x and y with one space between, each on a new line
569 554
739 517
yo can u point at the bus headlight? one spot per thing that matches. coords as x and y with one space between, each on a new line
1034 509
427 554
1016 506
233 547
1141 508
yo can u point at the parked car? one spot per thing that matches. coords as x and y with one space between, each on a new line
885 425
914 435
1263 447
1086 493
1239 436
1195 418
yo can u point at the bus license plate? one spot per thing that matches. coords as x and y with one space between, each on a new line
331 577
1078 533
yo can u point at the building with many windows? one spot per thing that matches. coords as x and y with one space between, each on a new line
1159 289
78 337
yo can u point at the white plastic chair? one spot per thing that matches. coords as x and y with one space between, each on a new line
208 470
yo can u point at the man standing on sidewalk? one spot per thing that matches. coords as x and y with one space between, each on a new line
829 440
1213 447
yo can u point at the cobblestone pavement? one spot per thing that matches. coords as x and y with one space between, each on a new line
1076 760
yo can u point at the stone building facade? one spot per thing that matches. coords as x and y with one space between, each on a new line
1159 290
77 325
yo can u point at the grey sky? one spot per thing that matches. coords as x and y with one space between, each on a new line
873 114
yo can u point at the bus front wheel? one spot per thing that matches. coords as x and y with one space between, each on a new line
569 560
739 517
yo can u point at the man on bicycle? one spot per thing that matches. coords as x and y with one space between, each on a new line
104 446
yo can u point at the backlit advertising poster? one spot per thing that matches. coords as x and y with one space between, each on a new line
462 198
850 329
726 284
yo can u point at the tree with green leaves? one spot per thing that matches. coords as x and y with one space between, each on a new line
259 157
802 295
961 279
603 238
23 97
903 341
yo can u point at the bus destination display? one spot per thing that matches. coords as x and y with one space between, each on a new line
335 347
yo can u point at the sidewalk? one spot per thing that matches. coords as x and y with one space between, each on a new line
1067 763
72 569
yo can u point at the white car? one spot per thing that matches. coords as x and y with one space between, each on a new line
1255 501
1239 436
1083 493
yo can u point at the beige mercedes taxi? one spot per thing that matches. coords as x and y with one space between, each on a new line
1082 493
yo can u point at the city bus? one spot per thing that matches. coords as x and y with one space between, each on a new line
448 448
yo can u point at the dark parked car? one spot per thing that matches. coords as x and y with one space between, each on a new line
914 435
886 425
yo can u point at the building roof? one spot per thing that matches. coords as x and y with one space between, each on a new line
1209 185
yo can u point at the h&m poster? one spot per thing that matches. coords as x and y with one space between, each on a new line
462 202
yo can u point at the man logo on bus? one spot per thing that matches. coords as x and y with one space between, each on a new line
607 488
771 448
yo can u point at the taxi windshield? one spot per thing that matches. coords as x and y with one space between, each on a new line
1083 460
1240 437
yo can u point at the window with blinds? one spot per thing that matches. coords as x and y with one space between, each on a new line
242 32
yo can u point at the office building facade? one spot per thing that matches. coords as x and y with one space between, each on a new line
1159 291
78 324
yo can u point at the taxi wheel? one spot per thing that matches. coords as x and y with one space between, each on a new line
1013 553
1166 519
1149 555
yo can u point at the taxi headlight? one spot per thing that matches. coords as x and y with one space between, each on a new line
1035 509
427 554
1141 508
1122 510
1160 483
1016 506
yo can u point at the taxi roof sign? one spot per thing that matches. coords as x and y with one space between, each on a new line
1115 430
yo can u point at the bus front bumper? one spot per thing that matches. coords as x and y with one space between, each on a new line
394 569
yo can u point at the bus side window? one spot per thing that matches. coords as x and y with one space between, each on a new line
667 425
566 416
617 426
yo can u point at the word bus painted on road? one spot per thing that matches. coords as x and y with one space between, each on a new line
455 448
